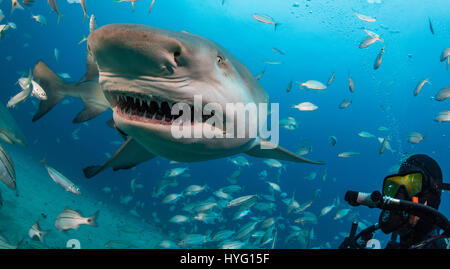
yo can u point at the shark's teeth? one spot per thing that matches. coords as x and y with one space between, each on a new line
145 108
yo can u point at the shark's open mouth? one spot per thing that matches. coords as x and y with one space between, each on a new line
144 108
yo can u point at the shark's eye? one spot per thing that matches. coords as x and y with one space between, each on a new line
219 60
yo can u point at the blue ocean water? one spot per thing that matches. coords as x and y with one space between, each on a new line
317 38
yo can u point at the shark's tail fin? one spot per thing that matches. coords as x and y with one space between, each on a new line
53 86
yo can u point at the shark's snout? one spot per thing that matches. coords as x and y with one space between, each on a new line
134 49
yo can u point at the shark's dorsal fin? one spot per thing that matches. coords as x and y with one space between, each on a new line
130 154
265 149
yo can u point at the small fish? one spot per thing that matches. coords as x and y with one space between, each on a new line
5 245
174 172
383 129
272 63
273 163
307 218
7 171
222 235
61 180
306 106
179 219
84 39
56 52
4 29
288 123
443 116
172 198
379 58
331 79
365 134
119 244
443 94
351 85
345 103
83 6
132 2
445 55
289 87
415 137
368 41
15 5
194 189
383 145
35 232
241 200
54 6
245 230
151 6
259 76
364 17
92 24
420 86
333 140
134 186
72 219
431 26
265 19
231 189
64 76
326 210
274 186
193 240
313 85
232 244
240 161
39 19
348 154
278 51
341 213
311 176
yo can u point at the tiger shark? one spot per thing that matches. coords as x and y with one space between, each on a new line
140 72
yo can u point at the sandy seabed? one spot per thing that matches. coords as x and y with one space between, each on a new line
41 199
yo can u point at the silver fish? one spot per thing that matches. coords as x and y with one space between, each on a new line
443 116
71 219
383 145
331 79
54 6
36 233
92 24
61 180
7 172
83 6
351 85
379 58
420 86
5 245
243 199
443 94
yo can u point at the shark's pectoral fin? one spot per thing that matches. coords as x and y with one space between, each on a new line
265 149
130 154
112 124
89 112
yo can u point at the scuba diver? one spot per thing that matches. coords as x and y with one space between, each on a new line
409 201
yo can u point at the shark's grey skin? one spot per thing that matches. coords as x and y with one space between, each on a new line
143 70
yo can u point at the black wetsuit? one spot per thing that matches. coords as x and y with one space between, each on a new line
428 242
